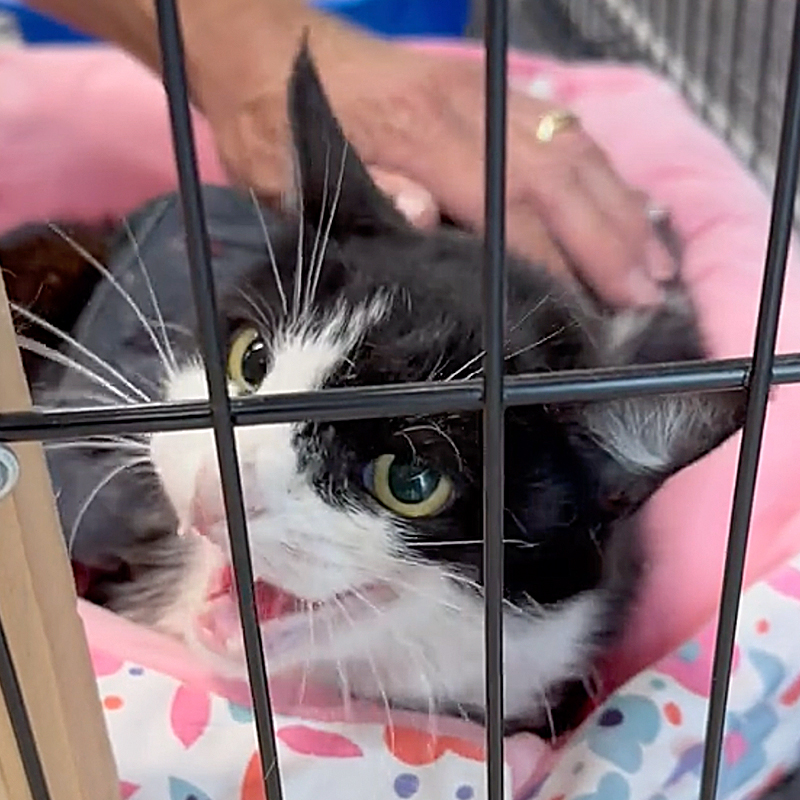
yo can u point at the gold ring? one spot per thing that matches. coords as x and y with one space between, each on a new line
553 122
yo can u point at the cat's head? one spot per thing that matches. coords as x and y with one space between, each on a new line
366 534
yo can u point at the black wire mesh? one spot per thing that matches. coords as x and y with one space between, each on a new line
491 395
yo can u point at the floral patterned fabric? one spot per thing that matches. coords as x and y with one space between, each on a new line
175 739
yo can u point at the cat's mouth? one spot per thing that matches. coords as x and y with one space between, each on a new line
288 623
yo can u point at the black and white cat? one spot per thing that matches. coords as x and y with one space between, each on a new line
366 535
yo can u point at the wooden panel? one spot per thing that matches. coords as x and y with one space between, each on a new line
13 784
44 631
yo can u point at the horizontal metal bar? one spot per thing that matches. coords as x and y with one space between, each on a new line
394 400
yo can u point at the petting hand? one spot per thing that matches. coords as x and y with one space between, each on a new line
418 120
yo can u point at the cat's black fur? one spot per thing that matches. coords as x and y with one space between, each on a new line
567 491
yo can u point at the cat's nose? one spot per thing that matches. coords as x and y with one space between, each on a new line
207 508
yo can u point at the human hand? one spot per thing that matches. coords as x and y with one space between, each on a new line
417 120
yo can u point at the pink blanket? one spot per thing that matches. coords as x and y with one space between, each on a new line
84 133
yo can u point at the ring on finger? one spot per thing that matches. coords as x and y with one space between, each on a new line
554 122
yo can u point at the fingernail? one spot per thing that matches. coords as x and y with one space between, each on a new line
659 262
412 204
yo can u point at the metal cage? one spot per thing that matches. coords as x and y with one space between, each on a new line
651 25
728 58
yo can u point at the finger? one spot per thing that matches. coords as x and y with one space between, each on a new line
627 211
597 250
528 238
412 200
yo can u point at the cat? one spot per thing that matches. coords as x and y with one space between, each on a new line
366 535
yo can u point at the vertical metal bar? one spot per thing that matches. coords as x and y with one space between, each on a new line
174 75
763 356
684 24
493 411
711 54
762 85
734 92
20 722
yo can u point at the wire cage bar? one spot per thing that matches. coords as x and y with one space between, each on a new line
690 54
729 59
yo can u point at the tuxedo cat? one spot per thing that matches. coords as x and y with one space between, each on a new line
365 534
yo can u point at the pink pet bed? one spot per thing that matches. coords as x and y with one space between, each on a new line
84 134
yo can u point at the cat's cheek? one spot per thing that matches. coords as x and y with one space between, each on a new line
179 458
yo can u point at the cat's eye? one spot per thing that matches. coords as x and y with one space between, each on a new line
409 488
247 360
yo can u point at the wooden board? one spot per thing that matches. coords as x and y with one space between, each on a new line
44 631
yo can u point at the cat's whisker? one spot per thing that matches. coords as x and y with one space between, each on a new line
436 428
453 375
437 366
298 276
114 446
258 310
411 650
271 252
92 496
410 441
153 299
344 683
74 394
525 349
548 710
529 313
334 207
42 350
514 327
368 650
65 337
515 520
395 582
475 586
539 342
521 543
108 275
301 694
318 234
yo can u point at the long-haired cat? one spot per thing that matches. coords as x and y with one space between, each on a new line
365 534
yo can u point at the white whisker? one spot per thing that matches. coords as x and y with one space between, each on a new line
343 682
321 220
298 276
153 298
273 262
106 273
118 446
258 310
436 428
39 349
331 217
65 337
92 496
469 363
540 342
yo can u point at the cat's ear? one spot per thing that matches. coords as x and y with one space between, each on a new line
640 442
333 186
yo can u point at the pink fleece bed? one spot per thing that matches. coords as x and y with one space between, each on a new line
83 133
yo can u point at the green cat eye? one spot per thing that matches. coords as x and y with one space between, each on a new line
409 488
247 361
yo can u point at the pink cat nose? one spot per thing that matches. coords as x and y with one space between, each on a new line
207 507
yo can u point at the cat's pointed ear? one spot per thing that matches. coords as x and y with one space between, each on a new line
333 186
640 442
